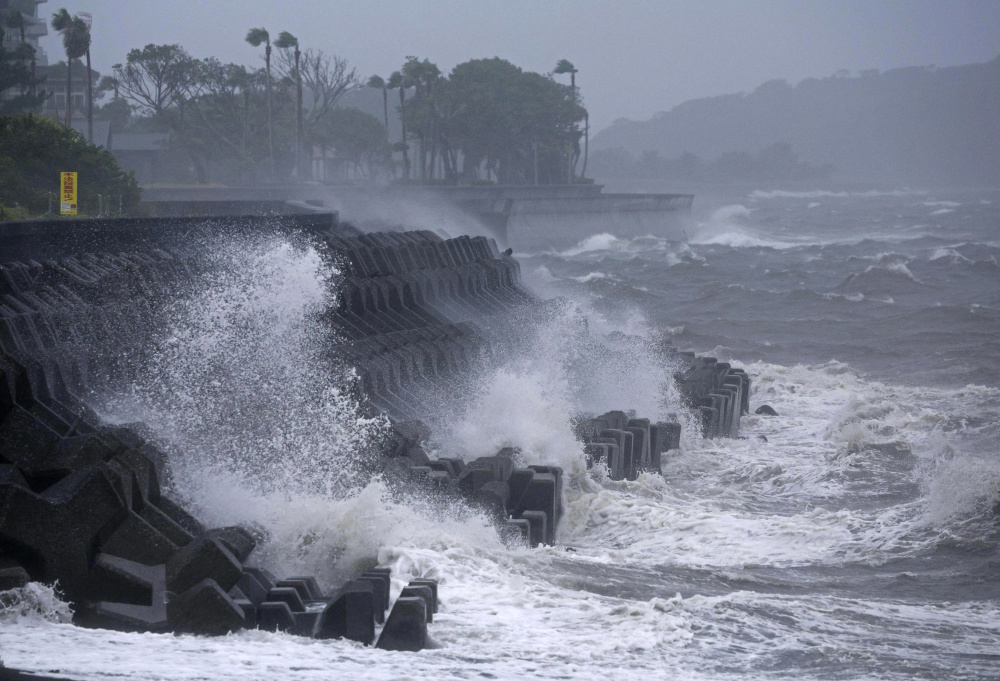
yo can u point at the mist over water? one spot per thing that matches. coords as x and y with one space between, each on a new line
860 540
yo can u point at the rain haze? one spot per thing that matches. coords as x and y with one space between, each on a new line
462 339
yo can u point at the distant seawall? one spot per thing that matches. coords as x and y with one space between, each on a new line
524 217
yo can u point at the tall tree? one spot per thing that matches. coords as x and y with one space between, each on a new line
566 66
398 80
87 21
117 111
286 41
256 37
378 82
225 121
325 77
501 114
360 140
76 43
157 78
424 76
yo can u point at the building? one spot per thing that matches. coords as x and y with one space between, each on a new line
36 26
55 83
144 153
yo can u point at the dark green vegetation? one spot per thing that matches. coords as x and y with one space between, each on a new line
910 125
486 121
182 119
223 124
75 34
35 149
517 127
359 139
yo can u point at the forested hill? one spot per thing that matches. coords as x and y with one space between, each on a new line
912 125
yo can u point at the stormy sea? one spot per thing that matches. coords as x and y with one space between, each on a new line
855 535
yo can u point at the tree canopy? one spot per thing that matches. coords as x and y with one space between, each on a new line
359 140
486 120
489 115
35 149
217 113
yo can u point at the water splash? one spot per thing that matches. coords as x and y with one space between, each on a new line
34 602
243 389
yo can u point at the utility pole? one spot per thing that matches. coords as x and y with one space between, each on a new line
534 147
88 19
286 40
298 95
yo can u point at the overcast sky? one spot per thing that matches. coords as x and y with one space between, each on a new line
635 57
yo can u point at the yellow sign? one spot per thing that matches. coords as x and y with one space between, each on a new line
67 185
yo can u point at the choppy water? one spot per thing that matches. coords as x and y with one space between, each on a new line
859 541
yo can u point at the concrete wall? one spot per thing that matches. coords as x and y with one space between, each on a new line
43 239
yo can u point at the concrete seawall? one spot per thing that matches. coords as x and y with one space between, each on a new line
523 217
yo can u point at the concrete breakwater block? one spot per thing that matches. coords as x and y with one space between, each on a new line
526 502
84 503
81 503
157 568
635 446
351 613
406 628
626 445
718 391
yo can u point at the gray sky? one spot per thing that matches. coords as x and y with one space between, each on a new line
635 57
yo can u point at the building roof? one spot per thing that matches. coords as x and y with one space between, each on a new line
102 131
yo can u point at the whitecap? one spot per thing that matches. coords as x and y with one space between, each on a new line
729 226
949 253
820 193
593 276
597 242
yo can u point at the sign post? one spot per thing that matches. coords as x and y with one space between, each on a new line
67 184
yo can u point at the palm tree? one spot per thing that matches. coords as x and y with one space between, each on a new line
287 40
76 42
566 66
423 75
87 20
378 82
397 80
256 37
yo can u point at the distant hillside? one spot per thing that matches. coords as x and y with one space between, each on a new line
916 125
